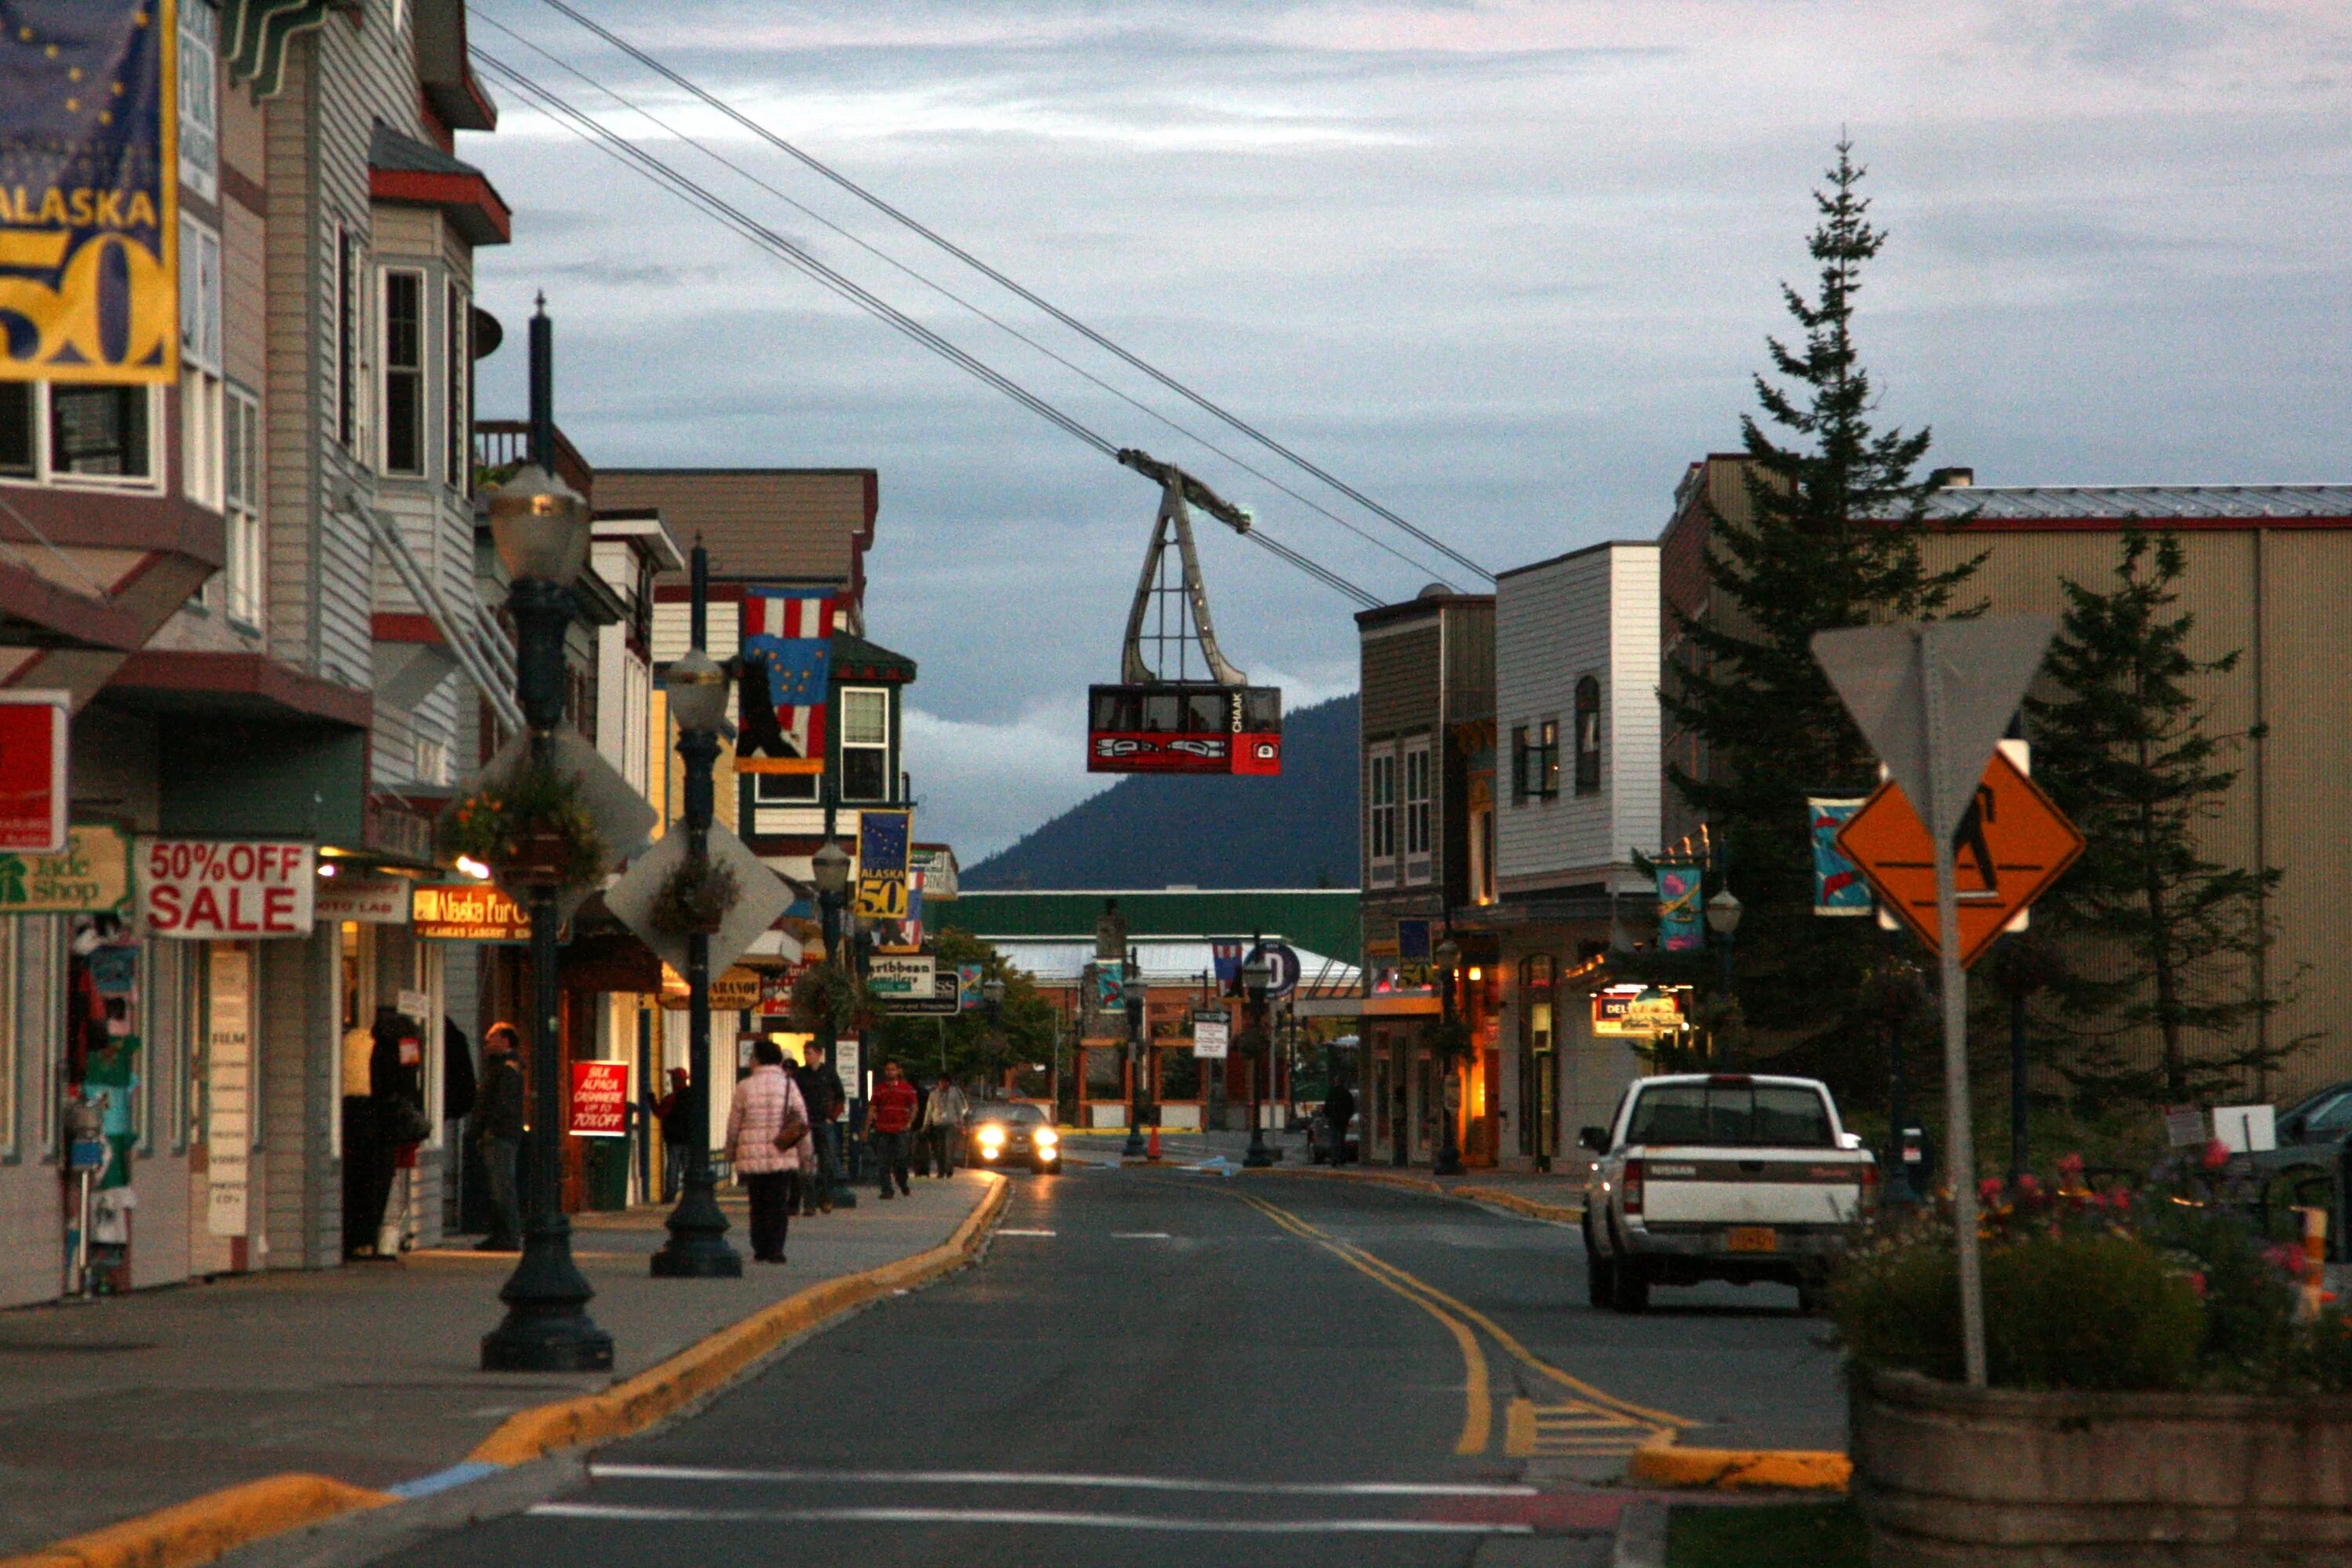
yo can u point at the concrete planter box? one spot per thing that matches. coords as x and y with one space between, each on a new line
2004 1478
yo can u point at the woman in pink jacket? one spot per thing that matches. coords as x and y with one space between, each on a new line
763 1102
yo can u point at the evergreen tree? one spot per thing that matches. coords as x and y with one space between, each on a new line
2153 939
1834 540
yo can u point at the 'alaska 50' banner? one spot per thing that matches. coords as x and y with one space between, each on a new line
89 191
787 676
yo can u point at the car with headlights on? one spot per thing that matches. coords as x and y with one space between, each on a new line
1012 1132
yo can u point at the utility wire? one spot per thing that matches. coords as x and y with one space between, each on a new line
945 292
630 155
1215 410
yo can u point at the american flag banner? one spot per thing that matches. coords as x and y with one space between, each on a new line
787 669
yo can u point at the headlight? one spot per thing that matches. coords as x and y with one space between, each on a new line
1047 1138
992 1135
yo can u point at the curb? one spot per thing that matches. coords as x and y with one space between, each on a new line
1377 1178
202 1529
1660 1463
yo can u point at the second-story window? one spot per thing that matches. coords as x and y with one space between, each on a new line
458 371
200 364
1381 814
1539 769
1416 801
865 743
242 491
347 308
198 89
403 358
1588 736
102 437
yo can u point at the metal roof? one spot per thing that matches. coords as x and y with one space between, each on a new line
2154 503
1056 962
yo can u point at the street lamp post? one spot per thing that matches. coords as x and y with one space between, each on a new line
829 869
1135 992
1448 957
1257 975
696 1248
540 526
1722 912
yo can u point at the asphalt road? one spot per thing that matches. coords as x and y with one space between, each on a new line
1160 1367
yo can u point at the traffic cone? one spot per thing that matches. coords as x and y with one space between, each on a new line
1155 1141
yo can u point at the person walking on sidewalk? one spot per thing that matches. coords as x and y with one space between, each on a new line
944 1115
497 1124
887 1119
820 1088
764 1104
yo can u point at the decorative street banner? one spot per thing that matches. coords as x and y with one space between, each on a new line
1682 923
1110 986
787 673
882 865
1227 957
1839 887
89 186
219 890
969 977
600 1099
1413 950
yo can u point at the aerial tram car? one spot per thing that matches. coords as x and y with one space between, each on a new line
1157 719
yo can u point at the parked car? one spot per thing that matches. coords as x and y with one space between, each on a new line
2325 1117
1725 1176
1012 1132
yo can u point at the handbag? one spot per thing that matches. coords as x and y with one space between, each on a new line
404 1121
793 1131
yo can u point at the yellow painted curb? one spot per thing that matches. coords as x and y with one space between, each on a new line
630 1406
1502 1199
1661 1463
1378 1178
201 1529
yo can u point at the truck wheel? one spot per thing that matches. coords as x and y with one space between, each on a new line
1812 1298
1628 1285
1600 1279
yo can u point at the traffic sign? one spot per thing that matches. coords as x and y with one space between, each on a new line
2012 844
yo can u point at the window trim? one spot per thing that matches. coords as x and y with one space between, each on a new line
1546 758
241 514
1380 821
1418 808
844 745
418 374
457 376
45 475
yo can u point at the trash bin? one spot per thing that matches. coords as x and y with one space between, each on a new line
608 1173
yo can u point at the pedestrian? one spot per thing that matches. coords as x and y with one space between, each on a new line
820 1088
672 1112
918 1134
1338 1109
768 1139
944 1115
498 1126
888 1117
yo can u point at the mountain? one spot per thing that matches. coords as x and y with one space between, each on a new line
1147 831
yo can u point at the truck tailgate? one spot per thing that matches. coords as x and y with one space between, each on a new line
1751 1186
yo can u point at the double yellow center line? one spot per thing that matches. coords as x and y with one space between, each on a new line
1465 1322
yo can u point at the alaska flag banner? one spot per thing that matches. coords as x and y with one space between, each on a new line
787 674
89 186
882 865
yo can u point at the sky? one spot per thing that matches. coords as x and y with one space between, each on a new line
1507 267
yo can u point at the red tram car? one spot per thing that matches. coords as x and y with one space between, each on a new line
1184 727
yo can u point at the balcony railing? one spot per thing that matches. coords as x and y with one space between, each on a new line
500 445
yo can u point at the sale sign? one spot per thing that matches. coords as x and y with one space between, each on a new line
222 890
600 1099
33 794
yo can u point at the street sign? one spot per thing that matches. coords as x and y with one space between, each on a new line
761 896
600 1099
2010 845
624 819
891 976
1212 1033
1282 960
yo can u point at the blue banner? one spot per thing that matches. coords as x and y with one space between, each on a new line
89 187
1839 888
1682 922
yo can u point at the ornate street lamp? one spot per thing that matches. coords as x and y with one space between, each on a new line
1257 978
829 869
1448 958
1135 992
696 1248
1722 912
541 528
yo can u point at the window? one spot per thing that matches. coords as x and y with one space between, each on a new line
18 407
1380 813
1736 1115
865 743
1519 751
101 432
199 295
1543 761
783 789
402 359
199 100
346 304
241 495
1482 855
1416 801
1588 736
457 369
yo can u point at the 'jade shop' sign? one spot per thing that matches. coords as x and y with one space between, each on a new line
225 889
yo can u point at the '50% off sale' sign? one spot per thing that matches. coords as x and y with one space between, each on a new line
221 890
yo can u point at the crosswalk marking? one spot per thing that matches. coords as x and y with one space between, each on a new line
1530 1430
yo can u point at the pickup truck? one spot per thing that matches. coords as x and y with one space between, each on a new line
1721 1177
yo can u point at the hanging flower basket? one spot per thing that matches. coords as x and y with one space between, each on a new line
694 899
531 828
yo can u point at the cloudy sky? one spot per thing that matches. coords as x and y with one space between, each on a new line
1503 265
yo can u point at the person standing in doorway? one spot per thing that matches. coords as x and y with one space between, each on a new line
766 1103
499 1124
889 1118
820 1088
944 1115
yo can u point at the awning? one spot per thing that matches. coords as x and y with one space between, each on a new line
254 36
410 172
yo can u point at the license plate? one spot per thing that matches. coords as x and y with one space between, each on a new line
1751 1238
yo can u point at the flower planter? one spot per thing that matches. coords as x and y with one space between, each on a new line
2006 1479
536 860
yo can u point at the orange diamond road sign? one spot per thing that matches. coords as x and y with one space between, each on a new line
2013 844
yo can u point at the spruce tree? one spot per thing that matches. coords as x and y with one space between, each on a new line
1838 521
2156 942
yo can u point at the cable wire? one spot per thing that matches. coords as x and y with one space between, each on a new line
651 167
820 167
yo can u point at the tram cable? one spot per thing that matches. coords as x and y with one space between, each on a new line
951 295
711 205
896 214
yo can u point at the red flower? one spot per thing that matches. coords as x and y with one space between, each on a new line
2027 1186
1988 1190
2070 1164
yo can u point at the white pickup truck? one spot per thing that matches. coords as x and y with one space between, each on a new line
1721 1177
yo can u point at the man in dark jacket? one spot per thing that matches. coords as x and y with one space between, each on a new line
499 1124
1338 1109
820 1088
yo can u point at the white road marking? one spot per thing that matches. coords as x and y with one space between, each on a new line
617 1512
1003 1232
1140 1235
1056 1478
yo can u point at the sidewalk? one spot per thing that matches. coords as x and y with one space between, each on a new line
1556 1195
367 1373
